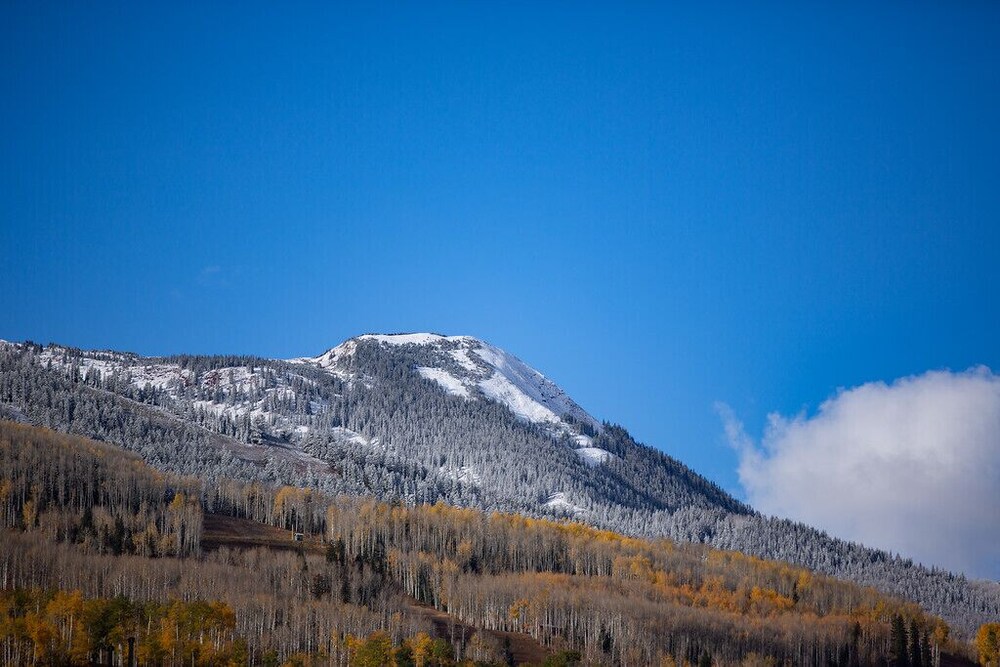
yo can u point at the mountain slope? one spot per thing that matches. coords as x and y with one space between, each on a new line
420 418
474 581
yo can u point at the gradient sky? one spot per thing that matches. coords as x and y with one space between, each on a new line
659 208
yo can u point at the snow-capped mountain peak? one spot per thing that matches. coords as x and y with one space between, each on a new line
412 338
473 369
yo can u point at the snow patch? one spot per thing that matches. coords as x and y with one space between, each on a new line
557 501
500 389
342 434
530 387
463 475
405 339
450 383
461 357
594 456
331 358
161 376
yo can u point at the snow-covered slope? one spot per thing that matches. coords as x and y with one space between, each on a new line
472 369
220 392
461 366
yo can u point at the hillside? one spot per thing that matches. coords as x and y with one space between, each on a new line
98 548
422 418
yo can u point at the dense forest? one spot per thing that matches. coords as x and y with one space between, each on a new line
105 559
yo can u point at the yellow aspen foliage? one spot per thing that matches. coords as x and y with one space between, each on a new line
351 643
940 634
988 644
282 499
518 609
64 611
421 647
765 601
375 651
29 514
42 635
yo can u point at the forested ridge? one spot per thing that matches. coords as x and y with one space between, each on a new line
368 424
99 548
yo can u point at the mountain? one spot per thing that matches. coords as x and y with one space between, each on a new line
418 418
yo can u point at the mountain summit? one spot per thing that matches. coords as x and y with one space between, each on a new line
421 418
473 369
464 365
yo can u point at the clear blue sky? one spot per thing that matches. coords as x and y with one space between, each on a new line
659 208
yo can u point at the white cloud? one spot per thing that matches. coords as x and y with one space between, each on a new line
912 466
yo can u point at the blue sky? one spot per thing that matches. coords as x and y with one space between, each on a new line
661 208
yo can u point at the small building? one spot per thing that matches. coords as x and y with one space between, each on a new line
297 537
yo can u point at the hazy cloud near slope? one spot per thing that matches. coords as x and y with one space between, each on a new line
912 466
